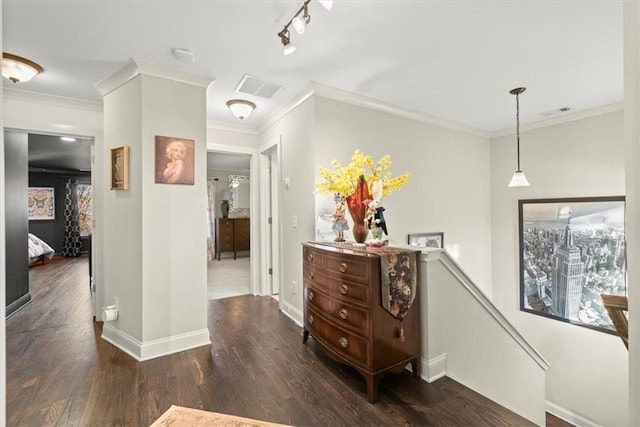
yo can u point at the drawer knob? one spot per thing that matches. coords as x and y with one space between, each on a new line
311 319
310 296
343 267
344 342
343 313
344 289
311 275
310 257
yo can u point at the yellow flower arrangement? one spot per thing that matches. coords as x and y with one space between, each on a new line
343 179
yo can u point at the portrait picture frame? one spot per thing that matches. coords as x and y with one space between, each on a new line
427 240
41 203
175 160
572 250
120 168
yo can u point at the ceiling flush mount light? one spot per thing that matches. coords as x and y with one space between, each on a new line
518 179
241 108
299 22
19 69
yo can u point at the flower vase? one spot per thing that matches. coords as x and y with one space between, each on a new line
357 205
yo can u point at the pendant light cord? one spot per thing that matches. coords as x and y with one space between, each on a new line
518 127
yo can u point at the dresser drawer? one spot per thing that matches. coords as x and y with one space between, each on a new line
312 257
346 315
346 344
338 288
347 267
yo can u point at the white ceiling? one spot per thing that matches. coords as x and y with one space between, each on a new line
453 59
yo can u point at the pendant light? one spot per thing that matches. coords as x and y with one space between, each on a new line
518 179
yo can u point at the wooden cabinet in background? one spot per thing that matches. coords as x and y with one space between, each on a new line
232 235
344 314
241 234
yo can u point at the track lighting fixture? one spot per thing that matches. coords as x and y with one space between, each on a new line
299 22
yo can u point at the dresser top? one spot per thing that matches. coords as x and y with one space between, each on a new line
351 249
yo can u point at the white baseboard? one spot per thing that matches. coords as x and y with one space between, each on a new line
434 369
292 313
156 348
568 416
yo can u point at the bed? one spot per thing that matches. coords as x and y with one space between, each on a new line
39 250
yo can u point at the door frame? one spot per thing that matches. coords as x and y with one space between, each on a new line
254 226
271 147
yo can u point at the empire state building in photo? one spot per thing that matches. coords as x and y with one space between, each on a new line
567 288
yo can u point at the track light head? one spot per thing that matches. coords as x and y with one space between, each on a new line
300 22
288 47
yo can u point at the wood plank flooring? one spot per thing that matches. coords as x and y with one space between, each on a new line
60 372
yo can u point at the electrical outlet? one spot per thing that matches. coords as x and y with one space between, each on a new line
294 221
115 301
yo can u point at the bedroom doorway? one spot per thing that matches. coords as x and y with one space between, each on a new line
57 185
229 191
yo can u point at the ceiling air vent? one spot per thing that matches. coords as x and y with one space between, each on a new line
555 112
251 86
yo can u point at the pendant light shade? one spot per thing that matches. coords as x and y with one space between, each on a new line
518 179
19 69
241 108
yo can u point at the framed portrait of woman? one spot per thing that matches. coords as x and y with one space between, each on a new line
174 160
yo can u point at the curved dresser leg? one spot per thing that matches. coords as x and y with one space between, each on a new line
305 335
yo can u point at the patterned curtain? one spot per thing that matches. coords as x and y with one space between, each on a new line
72 244
211 214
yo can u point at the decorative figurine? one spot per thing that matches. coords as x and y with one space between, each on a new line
375 218
339 220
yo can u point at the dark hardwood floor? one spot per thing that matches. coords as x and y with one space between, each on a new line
59 371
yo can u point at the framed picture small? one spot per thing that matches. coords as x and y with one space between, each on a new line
175 159
41 203
427 240
120 168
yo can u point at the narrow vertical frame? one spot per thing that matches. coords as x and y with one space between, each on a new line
120 168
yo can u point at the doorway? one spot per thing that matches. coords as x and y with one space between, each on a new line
229 189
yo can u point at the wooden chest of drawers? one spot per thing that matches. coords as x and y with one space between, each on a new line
232 235
344 314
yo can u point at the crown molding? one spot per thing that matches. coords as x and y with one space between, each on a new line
385 107
285 109
42 98
211 124
135 67
565 118
340 95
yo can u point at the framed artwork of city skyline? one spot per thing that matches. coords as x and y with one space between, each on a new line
572 250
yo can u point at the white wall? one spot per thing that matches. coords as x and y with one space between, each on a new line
155 251
587 380
123 210
632 155
448 189
296 129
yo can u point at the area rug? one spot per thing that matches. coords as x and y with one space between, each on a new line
178 416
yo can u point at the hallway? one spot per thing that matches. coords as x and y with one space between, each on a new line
60 372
